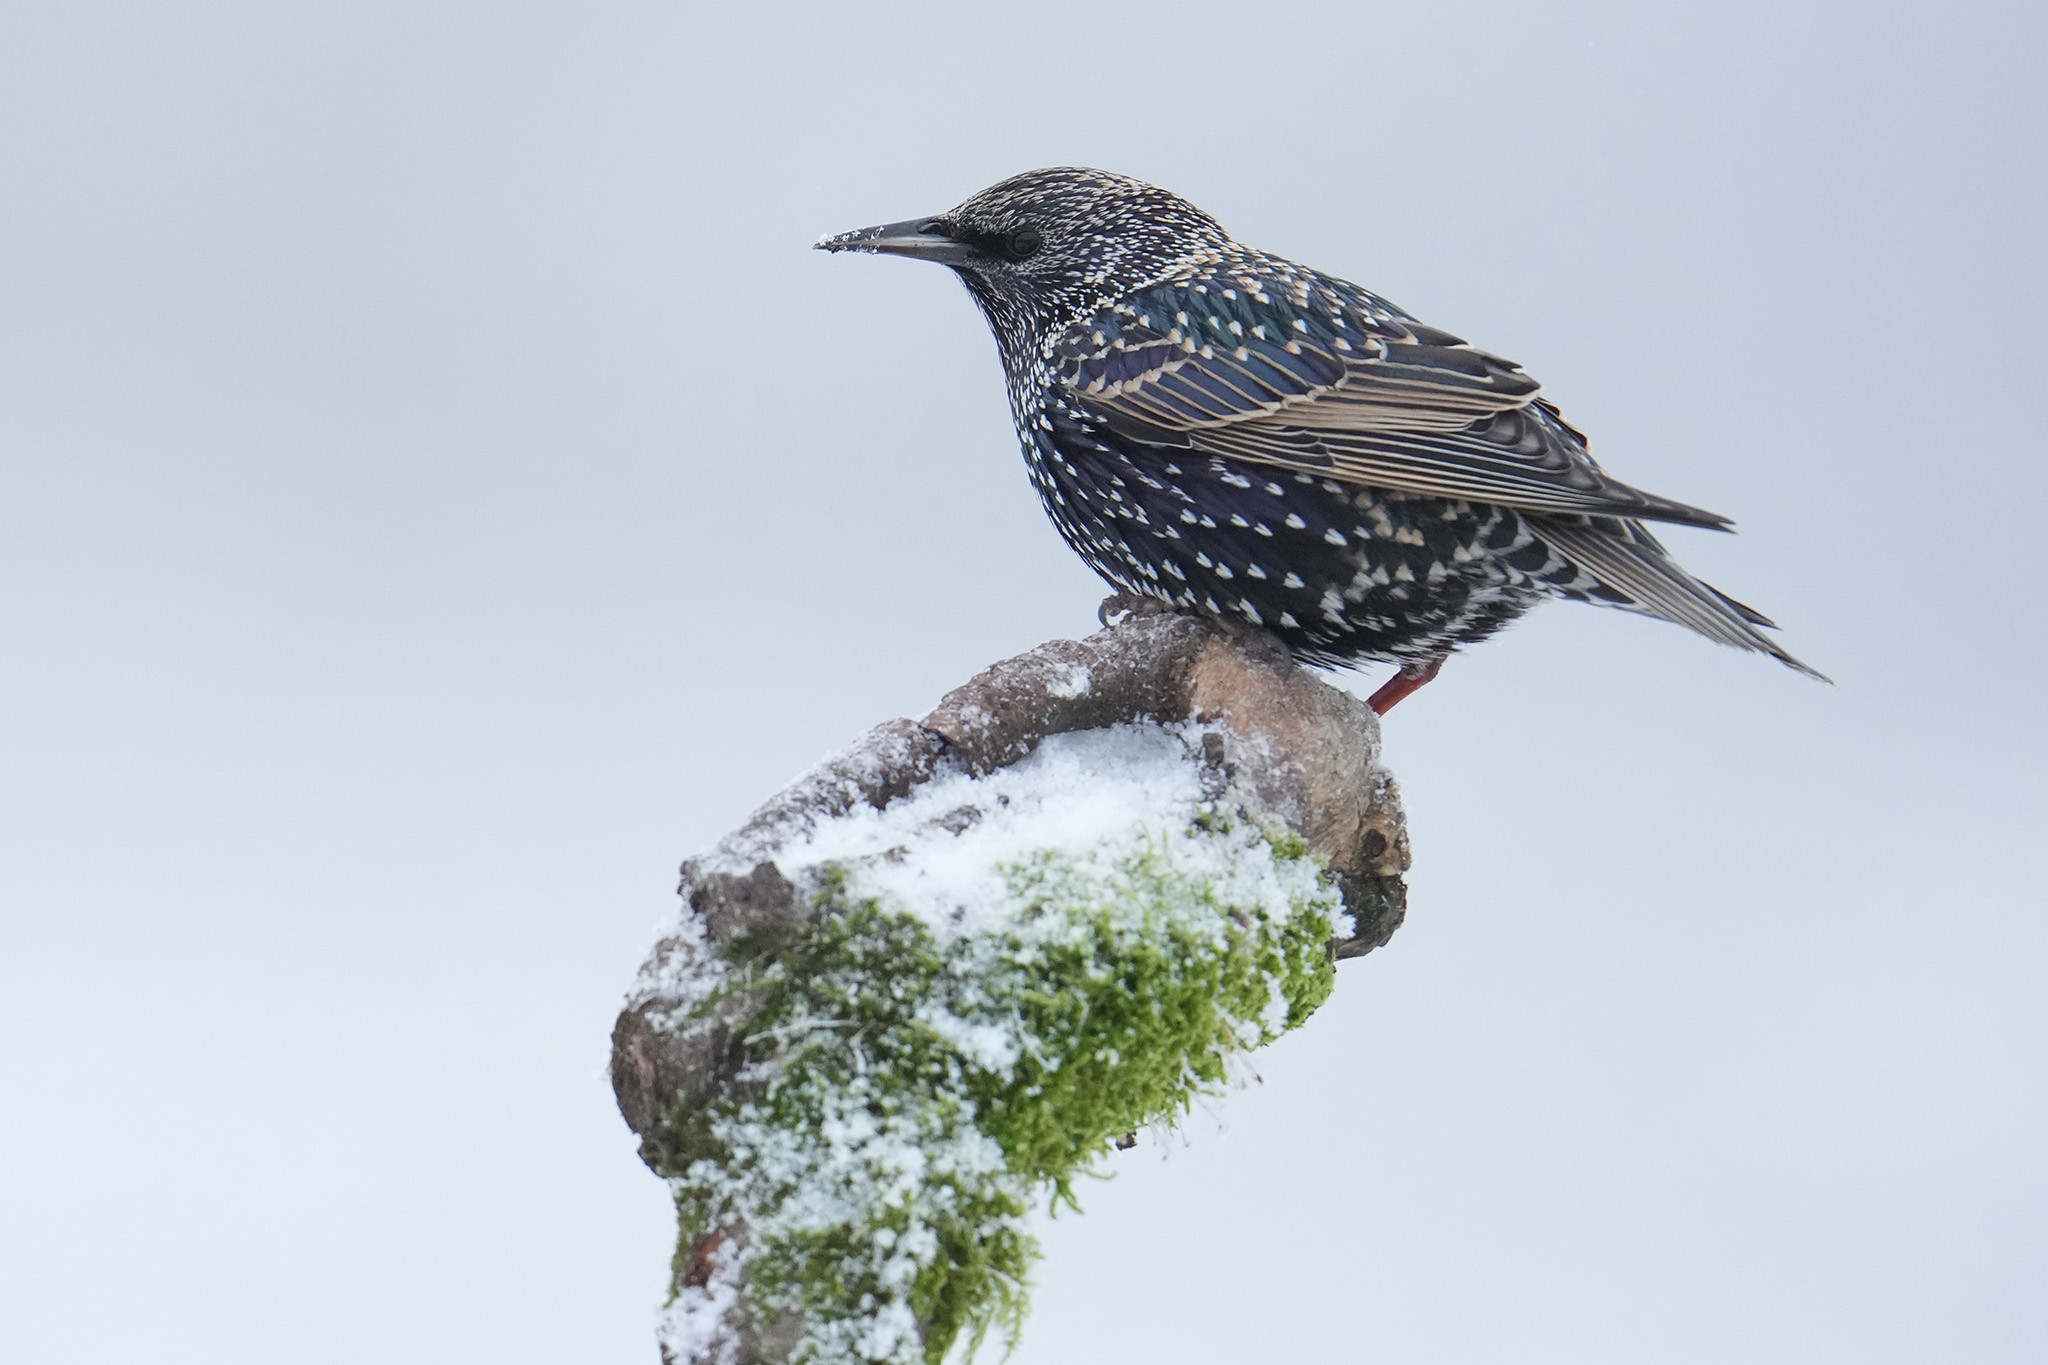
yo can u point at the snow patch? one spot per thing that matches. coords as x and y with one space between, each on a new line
1102 847
1074 681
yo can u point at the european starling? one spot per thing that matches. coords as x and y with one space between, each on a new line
1235 434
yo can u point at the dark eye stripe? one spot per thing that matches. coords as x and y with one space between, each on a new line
1015 245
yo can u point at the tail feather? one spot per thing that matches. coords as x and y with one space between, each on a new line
1749 613
1629 561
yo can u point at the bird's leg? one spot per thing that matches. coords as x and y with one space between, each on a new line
1401 684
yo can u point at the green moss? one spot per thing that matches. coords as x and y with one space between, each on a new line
919 1091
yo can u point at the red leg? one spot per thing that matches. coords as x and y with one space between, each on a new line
1401 684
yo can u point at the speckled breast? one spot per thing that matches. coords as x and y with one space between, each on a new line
1343 574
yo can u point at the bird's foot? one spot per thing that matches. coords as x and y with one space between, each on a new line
1124 606
1408 680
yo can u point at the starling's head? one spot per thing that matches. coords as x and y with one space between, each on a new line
1044 248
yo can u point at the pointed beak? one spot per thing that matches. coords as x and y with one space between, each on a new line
926 239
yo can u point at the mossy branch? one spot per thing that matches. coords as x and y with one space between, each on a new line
929 985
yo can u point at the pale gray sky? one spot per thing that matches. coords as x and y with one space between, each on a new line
439 489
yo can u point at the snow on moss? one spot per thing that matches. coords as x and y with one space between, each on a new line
1009 974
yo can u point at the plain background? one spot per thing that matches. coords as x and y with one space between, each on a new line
441 490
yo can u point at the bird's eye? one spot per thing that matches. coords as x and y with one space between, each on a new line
1022 243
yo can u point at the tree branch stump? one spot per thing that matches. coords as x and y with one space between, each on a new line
1274 750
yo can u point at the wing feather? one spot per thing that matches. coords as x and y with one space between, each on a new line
1267 362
